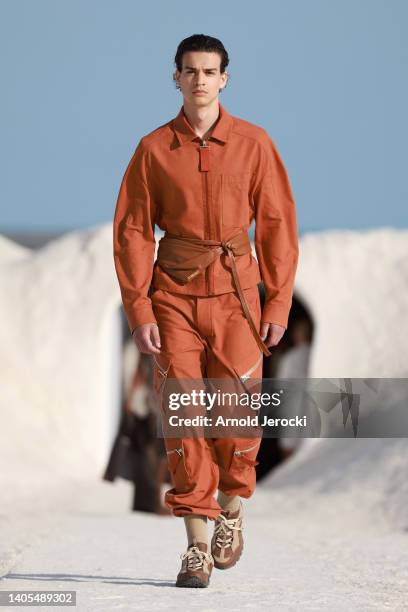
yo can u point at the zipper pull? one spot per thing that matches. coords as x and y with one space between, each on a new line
204 156
179 451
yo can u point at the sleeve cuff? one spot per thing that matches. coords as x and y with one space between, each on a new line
275 313
139 317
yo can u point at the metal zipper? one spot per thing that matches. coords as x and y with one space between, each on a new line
248 374
163 373
179 451
162 370
208 274
245 450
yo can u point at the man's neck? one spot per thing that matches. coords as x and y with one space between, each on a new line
202 120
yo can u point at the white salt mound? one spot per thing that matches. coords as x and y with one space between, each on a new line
60 364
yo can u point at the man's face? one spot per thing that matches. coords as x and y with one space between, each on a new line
201 71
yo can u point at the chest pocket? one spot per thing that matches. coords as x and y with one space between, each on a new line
235 199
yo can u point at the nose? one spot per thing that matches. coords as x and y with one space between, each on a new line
200 78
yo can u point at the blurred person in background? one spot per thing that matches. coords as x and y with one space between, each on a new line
289 359
138 454
294 361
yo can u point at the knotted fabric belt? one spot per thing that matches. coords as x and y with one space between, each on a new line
183 258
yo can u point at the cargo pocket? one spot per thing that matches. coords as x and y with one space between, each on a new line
245 452
176 457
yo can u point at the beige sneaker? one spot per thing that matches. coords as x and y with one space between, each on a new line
196 567
227 542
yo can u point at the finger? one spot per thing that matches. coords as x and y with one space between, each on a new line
149 347
270 341
276 336
155 336
143 343
264 330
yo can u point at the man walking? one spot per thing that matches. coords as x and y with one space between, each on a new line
203 177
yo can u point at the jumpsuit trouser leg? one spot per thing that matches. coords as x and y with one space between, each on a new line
207 337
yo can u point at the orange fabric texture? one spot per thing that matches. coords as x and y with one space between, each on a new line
206 337
207 190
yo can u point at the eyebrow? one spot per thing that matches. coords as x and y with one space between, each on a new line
192 68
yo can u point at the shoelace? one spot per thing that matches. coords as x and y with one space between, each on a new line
223 530
195 558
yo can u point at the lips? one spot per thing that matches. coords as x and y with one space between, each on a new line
199 91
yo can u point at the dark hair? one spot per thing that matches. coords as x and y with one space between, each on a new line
201 42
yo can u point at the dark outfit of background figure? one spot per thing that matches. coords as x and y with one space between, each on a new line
271 451
138 453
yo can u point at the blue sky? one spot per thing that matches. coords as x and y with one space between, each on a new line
82 81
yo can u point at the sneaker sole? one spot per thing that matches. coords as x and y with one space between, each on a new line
193 583
230 564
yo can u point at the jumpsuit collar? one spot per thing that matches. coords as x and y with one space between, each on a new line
184 132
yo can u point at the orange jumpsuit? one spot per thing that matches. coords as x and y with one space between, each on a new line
206 190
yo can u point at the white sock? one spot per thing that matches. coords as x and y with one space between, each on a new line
196 527
228 503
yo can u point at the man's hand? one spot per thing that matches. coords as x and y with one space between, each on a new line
271 333
147 338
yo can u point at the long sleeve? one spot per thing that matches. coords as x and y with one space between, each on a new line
133 239
276 234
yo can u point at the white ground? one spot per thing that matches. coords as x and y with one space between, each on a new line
314 556
327 531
